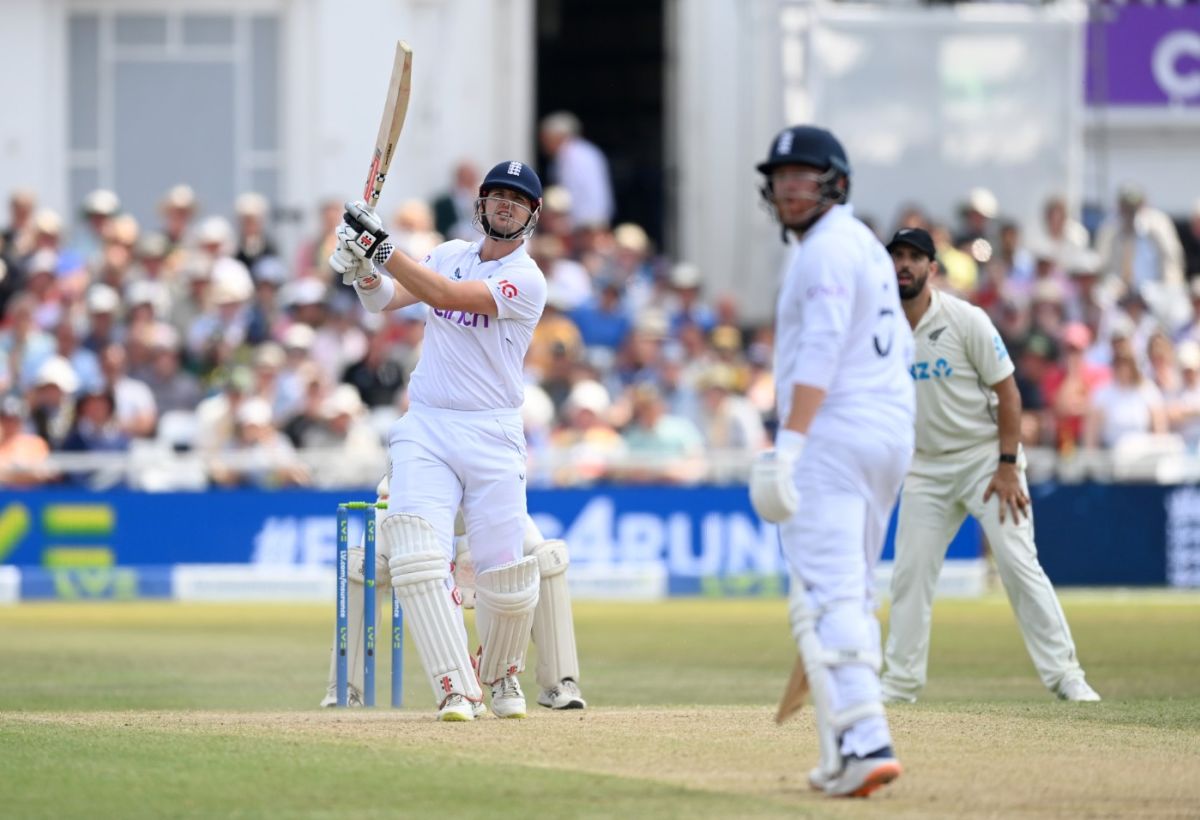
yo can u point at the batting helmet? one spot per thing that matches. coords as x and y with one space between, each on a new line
513 176
806 145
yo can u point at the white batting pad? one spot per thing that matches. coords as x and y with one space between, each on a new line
419 573
505 598
553 624
354 609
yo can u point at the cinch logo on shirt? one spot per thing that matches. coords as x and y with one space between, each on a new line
921 371
462 317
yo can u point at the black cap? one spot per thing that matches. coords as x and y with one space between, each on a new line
914 238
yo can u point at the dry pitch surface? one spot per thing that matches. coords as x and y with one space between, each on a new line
1015 754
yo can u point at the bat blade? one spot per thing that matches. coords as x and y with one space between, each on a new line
794 693
394 111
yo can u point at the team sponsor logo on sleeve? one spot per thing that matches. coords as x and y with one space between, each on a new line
1001 350
508 289
826 292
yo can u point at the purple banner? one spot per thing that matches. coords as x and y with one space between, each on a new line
1143 55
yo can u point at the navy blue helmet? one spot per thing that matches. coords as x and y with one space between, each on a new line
510 176
806 145
513 176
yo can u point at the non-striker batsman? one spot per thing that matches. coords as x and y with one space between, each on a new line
845 405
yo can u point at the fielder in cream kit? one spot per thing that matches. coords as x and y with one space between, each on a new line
968 461
462 442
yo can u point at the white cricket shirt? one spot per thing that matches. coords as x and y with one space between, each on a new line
959 357
839 327
471 361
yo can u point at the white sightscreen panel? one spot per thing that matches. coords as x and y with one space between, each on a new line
928 111
174 123
84 71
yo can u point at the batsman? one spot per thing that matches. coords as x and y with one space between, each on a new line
553 624
968 461
462 441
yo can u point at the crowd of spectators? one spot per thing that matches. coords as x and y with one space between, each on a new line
198 336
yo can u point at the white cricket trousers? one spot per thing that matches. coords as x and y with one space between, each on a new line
938 495
847 490
444 458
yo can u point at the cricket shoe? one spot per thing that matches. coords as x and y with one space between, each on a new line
819 779
1077 689
456 709
564 696
353 696
860 776
508 701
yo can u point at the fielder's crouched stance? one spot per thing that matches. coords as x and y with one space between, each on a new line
553 624
846 413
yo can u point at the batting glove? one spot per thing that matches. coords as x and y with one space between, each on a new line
352 266
773 491
368 233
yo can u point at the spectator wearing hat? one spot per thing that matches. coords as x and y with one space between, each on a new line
258 455
1059 236
177 209
640 357
172 387
579 166
216 335
686 308
266 312
355 453
556 218
662 448
41 282
215 415
1183 409
312 258
1140 247
557 342
454 208
1068 388
729 423
103 306
977 228
1035 359
17 235
253 243
24 456
958 270
586 442
113 262
313 392
630 262
52 401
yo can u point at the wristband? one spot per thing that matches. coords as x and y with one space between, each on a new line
383 253
377 299
789 442
1008 458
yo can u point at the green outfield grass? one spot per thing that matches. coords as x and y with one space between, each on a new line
172 710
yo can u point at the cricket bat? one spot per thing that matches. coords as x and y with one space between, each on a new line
794 693
394 110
